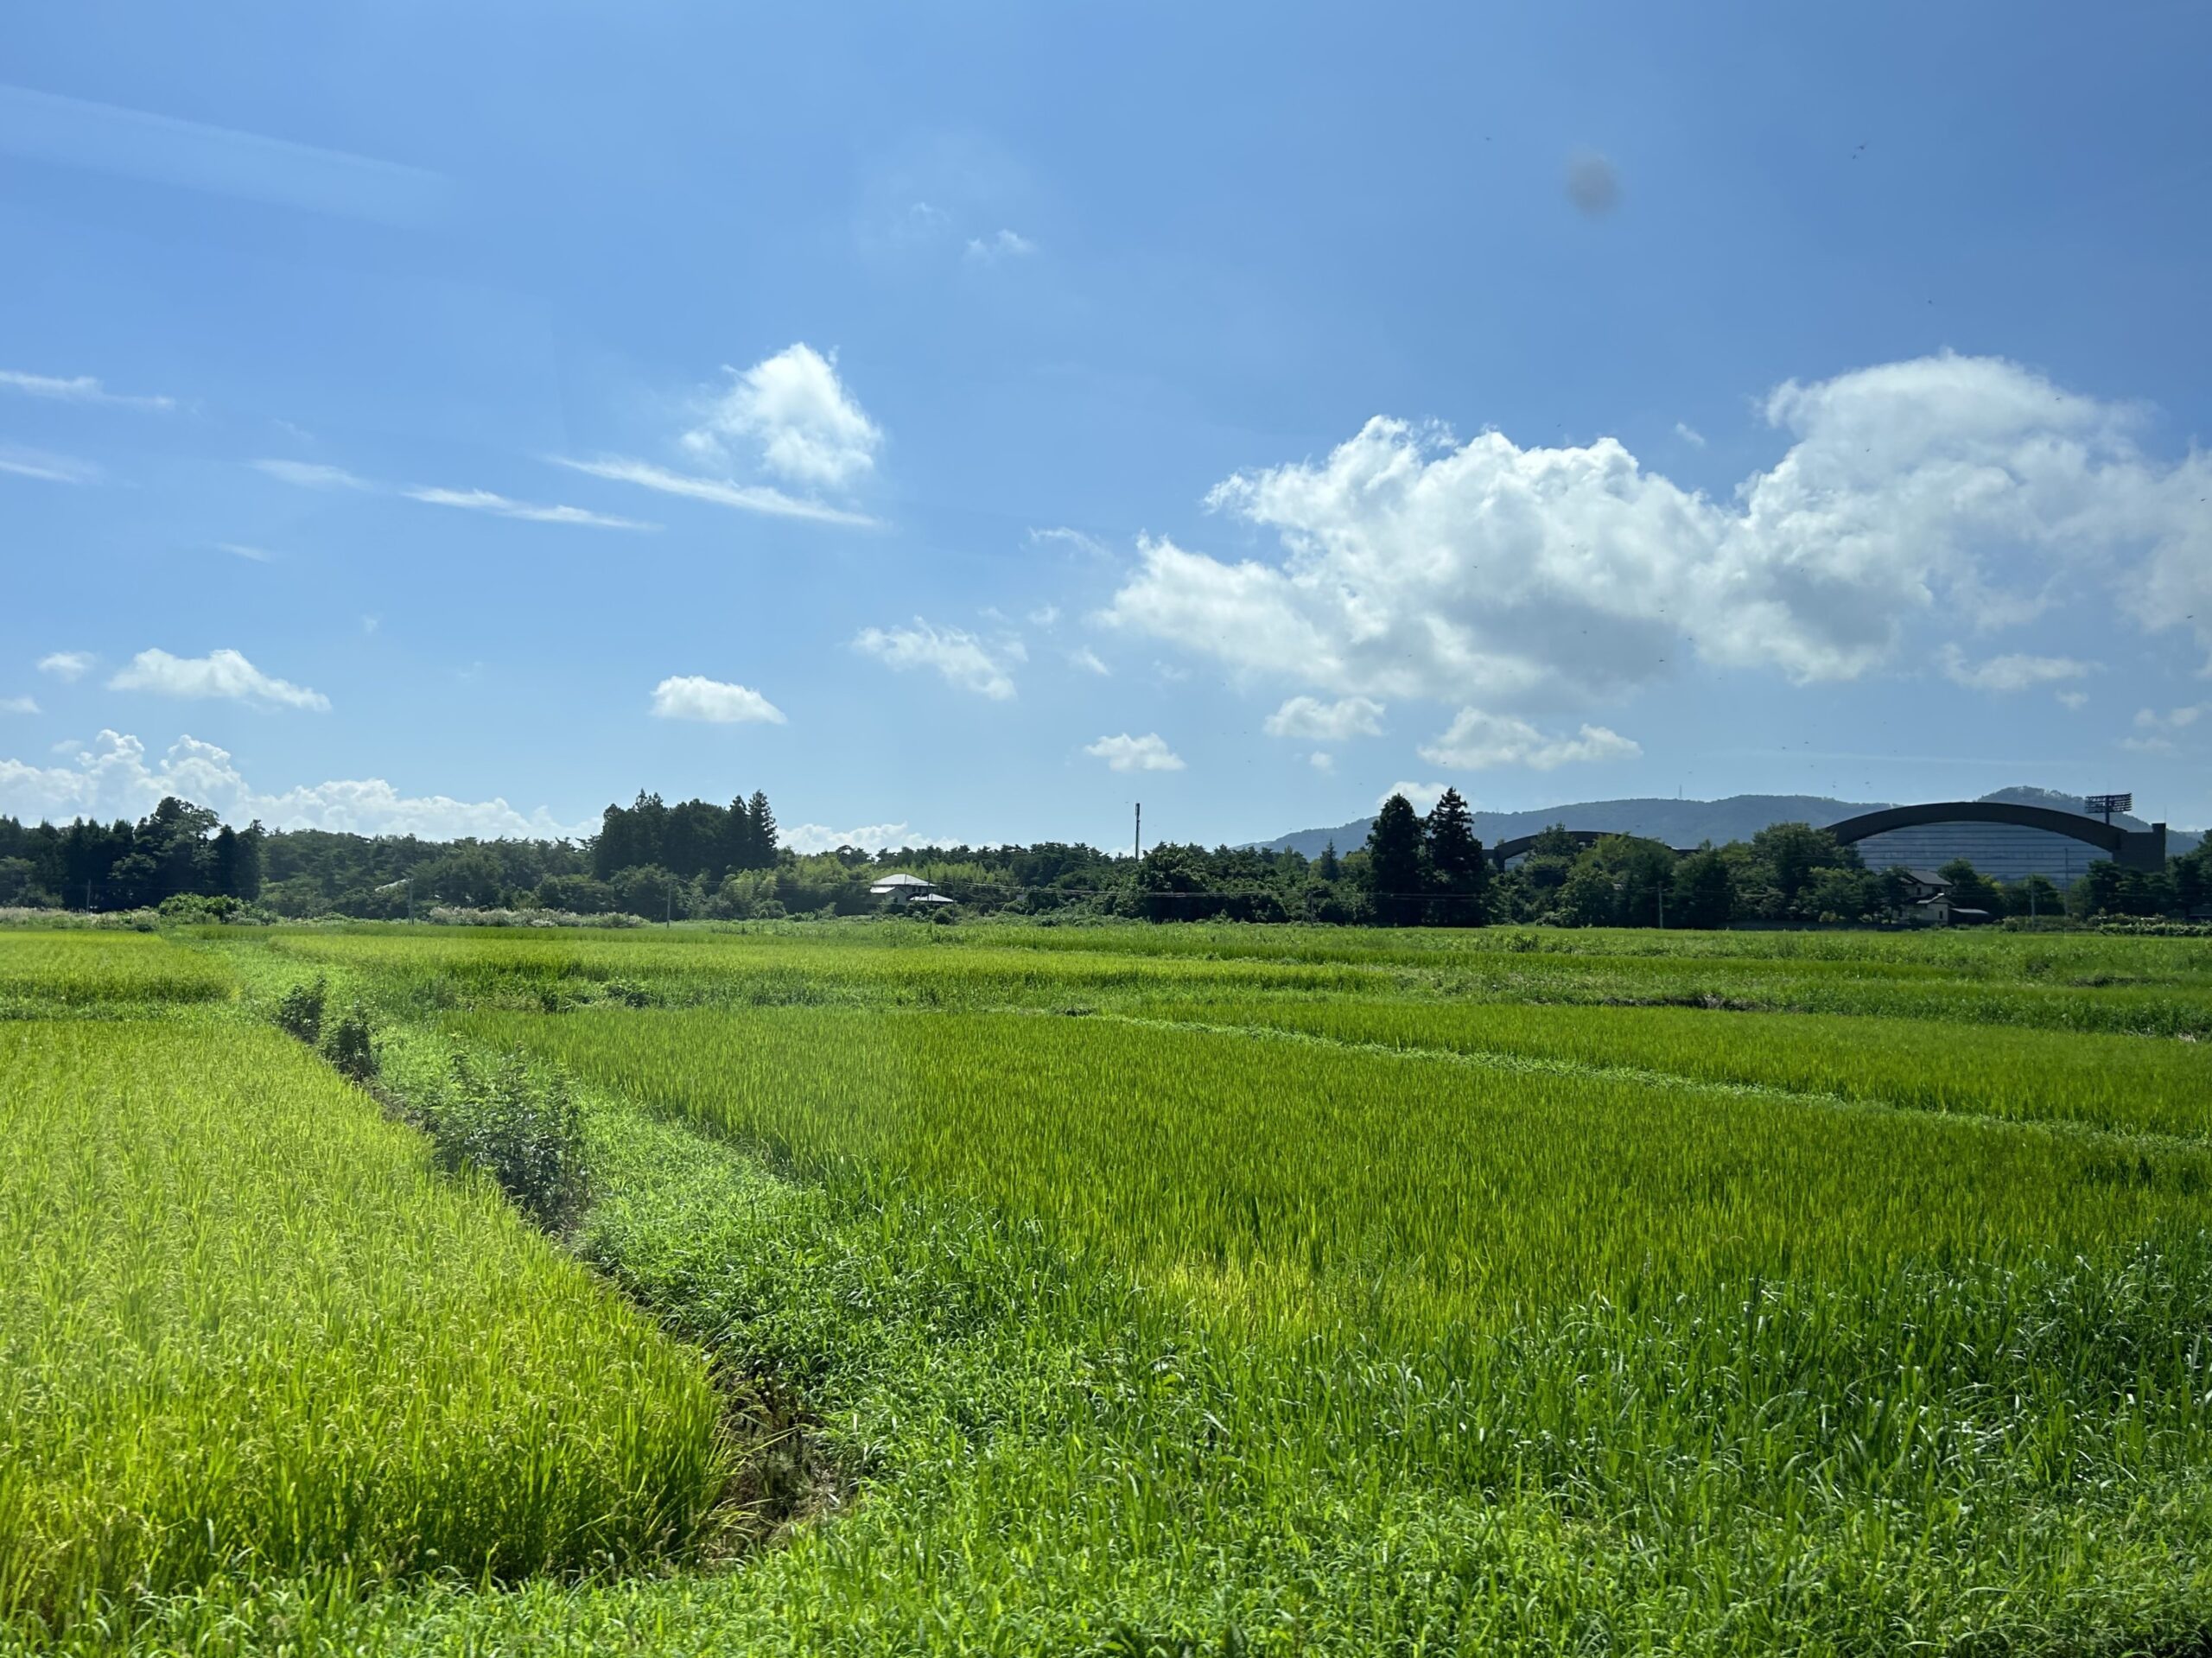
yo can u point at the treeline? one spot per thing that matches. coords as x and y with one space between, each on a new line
178 849
647 858
697 860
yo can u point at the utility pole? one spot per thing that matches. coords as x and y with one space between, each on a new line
1140 854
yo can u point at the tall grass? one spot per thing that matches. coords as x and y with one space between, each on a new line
245 1330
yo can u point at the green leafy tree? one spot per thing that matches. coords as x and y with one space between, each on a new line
1788 854
653 892
1703 890
1970 888
2034 896
1641 871
1586 897
1172 884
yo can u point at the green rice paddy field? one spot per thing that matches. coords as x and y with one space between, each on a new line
1114 1290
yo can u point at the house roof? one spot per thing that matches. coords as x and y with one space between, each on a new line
934 898
901 881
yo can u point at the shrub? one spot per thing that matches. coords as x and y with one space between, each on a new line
351 1046
300 1013
525 1132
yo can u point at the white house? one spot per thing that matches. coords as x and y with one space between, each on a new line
901 888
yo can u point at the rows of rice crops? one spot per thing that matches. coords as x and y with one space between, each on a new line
1283 1178
2134 985
1614 1361
1319 1290
2122 1083
85 971
245 1330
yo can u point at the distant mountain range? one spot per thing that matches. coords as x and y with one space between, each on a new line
1687 823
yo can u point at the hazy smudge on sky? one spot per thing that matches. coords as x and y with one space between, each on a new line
1593 184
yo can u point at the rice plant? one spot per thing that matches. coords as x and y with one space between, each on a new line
245 1330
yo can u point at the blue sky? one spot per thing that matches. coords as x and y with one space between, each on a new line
962 421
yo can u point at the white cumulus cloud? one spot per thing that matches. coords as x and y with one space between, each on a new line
1310 718
224 674
1084 658
963 659
2173 719
66 665
1149 753
1321 760
2010 673
693 696
1006 244
1477 740
869 837
2072 699
113 777
796 414
1419 796
18 705
1412 564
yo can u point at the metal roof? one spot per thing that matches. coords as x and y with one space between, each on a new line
894 883
934 898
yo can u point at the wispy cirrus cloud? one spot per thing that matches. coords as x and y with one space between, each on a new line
744 498
483 500
311 474
78 387
66 665
45 465
960 657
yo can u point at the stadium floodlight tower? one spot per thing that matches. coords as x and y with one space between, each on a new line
2108 804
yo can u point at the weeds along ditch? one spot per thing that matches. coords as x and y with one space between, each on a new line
1396 1300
